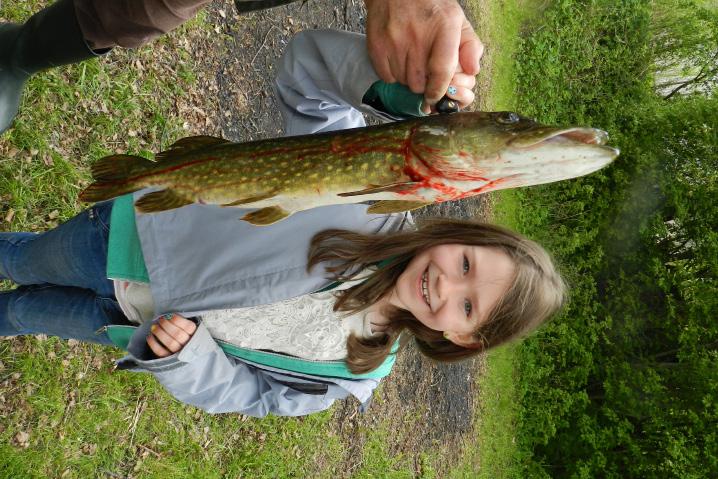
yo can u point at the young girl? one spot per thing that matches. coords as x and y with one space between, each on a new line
286 318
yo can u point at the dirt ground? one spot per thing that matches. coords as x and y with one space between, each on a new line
426 405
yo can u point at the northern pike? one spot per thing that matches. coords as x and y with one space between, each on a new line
403 165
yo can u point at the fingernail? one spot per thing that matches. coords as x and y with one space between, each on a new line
153 328
167 316
451 90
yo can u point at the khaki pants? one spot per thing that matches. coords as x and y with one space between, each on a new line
131 23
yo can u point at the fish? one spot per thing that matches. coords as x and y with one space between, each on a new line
399 166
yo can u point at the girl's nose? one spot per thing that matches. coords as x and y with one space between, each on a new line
445 286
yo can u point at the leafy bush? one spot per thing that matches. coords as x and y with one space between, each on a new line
624 383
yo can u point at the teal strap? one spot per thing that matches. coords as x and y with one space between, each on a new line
336 369
124 251
120 336
395 99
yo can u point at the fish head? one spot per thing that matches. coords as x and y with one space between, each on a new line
505 149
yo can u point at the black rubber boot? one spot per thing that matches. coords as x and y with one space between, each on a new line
246 6
50 38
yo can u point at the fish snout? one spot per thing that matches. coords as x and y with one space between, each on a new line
589 136
575 135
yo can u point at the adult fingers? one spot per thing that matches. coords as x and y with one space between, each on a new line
470 50
465 96
463 80
157 348
416 59
442 63
381 64
397 63
378 41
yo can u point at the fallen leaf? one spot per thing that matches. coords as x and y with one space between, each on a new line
53 214
10 215
22 438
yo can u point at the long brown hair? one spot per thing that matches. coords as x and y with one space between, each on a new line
536 293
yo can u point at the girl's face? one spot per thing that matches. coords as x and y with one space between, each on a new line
453 287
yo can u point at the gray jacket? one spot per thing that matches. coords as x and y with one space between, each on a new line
201 257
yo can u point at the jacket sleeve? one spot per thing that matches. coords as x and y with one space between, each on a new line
321 81
202 375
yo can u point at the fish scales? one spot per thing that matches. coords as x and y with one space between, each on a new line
401 165
227 172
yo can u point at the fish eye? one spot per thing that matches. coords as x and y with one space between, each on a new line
507 118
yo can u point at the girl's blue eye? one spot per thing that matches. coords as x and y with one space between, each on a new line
466 265
467 307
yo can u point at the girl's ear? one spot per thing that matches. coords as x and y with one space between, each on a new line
465 340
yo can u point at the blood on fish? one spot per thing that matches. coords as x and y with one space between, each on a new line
483 189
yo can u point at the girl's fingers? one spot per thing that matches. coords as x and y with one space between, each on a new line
187 325
175 328
165 339
169 334
159 350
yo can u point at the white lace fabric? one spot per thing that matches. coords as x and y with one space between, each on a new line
304 326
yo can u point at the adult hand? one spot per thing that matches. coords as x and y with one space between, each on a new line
460 89
169 334
421 44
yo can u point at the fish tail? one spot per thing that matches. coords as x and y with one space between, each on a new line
112 175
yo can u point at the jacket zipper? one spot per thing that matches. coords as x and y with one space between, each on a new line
278 355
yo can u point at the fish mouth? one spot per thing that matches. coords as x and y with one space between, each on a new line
586 136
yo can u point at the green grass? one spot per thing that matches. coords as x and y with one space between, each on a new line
500 28
498 412
507 209
73 115
81 419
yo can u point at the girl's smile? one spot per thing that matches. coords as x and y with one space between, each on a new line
453 288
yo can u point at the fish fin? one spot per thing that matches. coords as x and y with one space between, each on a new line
110 174
266 216
251 199
185 145
395 206
161 201
393 187
118 167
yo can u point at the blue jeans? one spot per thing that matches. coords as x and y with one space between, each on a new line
63 287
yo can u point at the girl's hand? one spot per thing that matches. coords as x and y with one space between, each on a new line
169 334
